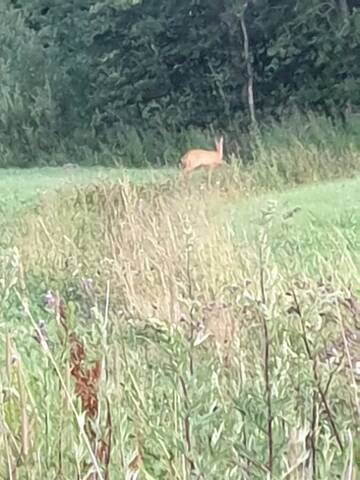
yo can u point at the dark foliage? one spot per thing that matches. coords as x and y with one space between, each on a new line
83 73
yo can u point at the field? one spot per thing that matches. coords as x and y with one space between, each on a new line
156 326
158 330
19 188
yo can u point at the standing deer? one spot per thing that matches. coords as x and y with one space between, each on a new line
210 159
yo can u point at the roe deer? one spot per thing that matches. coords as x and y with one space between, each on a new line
210 159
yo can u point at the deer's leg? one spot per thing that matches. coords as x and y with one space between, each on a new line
210 170
187 173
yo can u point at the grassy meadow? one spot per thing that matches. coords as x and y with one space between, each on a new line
155 329
19 189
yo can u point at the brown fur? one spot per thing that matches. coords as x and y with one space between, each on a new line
210 159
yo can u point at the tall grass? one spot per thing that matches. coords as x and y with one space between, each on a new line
215 359
301 149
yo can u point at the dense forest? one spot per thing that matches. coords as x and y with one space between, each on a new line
81 76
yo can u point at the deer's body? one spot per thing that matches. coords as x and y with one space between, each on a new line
194 159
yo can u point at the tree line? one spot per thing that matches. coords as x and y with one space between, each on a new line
89 73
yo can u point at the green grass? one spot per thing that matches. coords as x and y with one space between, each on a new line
132 261
312 217
304 221
20 188
326 201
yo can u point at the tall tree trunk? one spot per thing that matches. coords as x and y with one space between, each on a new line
249 68
344 9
